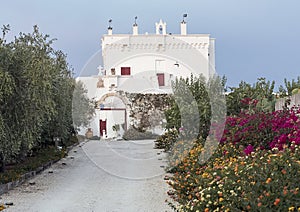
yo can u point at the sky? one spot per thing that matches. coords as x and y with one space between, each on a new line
254 38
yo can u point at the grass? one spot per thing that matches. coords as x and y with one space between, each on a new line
14 172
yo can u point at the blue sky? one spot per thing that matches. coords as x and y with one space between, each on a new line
254 38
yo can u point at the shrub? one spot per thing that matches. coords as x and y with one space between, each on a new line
95 137
45 155
166 140
263 130
133 134
255 168
265 181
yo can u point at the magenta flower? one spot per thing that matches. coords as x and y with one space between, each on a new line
248 149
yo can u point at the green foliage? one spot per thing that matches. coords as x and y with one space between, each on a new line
133 134
82 108
36 90
264 181
295 91
191 106
261 95
289 86
166 140
116 127
44 156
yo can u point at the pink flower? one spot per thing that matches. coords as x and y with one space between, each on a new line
248 149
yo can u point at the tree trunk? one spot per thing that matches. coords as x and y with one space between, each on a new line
2 163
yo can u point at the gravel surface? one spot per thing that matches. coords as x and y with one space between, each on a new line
98 176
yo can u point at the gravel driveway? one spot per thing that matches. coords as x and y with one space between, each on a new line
98 176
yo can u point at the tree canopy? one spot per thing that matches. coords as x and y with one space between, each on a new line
36 91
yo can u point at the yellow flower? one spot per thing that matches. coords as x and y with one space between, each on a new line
204 175
291 208
221 199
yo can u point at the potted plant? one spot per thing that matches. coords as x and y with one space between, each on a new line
116 128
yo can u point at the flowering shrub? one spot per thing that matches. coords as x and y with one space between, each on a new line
266 180
263 130
255 168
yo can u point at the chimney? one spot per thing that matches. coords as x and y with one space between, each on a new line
183 25
109 31
183 28
135 30
109 27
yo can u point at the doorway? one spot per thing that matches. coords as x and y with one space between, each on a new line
103 127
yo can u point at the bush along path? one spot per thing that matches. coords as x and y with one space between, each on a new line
17 174
255 168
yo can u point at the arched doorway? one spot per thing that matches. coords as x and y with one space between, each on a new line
113 115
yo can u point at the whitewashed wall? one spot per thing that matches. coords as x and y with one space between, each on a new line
295 101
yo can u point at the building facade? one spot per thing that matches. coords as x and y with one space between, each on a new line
143 63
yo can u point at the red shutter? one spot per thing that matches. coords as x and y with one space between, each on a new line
125 70
161 79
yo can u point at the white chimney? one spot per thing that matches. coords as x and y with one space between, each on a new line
135 30
183 28
109 27
109 32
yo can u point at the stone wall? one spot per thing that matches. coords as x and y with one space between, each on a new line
147 110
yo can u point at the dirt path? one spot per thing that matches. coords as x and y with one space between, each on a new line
98 176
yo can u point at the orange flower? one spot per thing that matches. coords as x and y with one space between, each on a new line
259 204
206 210
283 171
236 168
277 201
268 180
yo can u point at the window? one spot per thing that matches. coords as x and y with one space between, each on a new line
125 70
161 79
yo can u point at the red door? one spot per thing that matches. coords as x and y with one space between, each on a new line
102 126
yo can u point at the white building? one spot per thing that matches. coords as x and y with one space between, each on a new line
143 63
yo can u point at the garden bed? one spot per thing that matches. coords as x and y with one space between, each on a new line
256 166
16 174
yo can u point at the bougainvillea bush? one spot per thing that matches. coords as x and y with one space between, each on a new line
263 130
255 168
